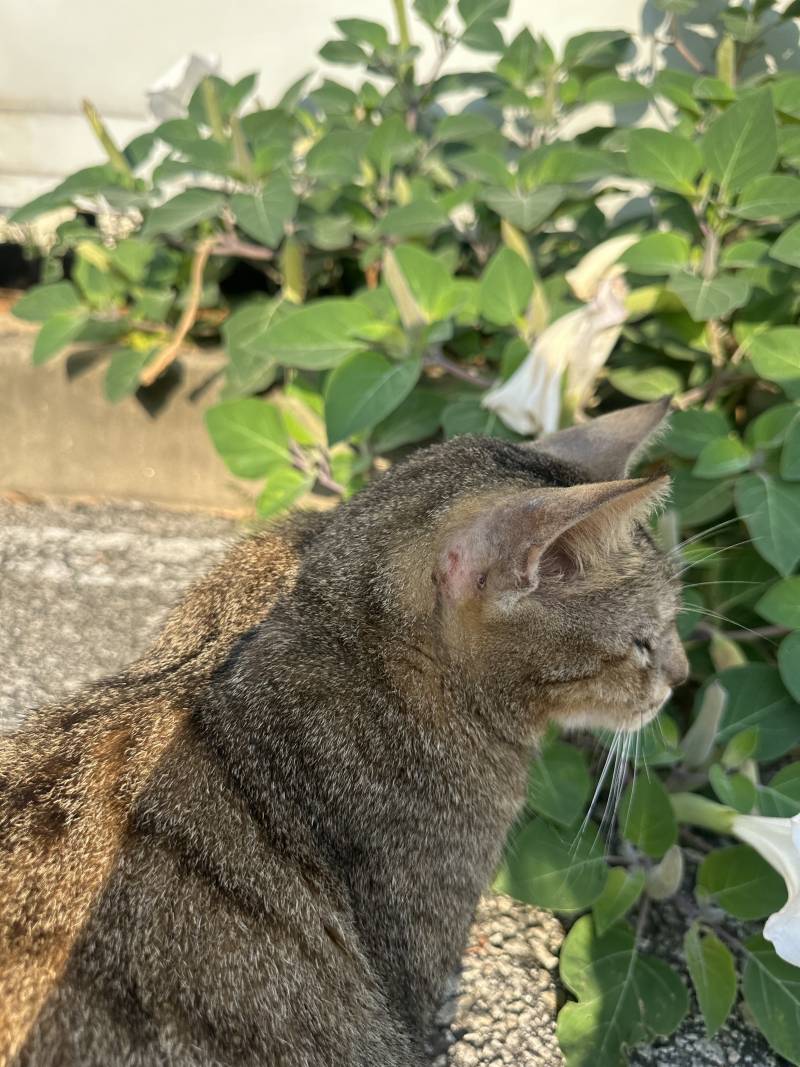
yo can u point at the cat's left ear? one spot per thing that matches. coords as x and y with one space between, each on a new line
608 446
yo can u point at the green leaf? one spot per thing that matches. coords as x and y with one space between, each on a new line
648 383
742 143
263 216
740 881
132 257
790 456
734 790
484 37
42 301
430 11
646 817
344 52
700 501
771 511
364 31
771 197
122 373
364 389
466 415
710 298
622 890
624 997
598 49
524 209
775 353
314 337
747 253
780 798
789 663
417 418
713 973
250 435
769 429
690 431
611 89
757 697
284 486
506 287
420 218
57 333
781 603
391 143
722 457
657 253
519 62
563 872
771 988
183 211
559 783
248 370
665 159
428 279
741 747
787 248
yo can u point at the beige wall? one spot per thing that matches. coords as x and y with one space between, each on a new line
54 52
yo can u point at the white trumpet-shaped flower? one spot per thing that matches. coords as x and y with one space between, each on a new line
563 362
778 841
169 95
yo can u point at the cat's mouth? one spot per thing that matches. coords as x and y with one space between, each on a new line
643 718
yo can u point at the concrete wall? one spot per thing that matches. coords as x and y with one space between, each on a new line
55 52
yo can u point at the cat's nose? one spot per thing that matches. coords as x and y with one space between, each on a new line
674 664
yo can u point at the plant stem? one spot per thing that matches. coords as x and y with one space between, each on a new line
438 359
115 156
212 109
699 811
402 23
169 352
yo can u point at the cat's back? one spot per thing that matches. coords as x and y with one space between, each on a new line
71 774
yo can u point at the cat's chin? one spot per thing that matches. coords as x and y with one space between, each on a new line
627 721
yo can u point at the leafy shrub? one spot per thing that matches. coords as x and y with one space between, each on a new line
408 256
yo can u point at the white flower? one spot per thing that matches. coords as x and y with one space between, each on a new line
778 841
170 94
599 265
577 344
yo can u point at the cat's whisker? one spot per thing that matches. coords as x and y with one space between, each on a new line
598 787
721 581
706 533
713 555
726 618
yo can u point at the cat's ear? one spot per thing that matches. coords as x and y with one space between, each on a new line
519 542
608 446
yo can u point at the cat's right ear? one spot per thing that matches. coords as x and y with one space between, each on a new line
608 446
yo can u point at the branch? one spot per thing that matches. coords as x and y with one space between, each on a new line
437 359
169 352
230 245
683 50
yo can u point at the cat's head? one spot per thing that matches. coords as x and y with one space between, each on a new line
531 570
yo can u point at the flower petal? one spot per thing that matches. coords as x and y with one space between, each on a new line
783 930
585 278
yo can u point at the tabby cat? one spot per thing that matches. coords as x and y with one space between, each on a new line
263 843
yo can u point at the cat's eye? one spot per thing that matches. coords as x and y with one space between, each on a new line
643 645
481 581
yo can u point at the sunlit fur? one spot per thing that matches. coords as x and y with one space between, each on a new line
264 843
